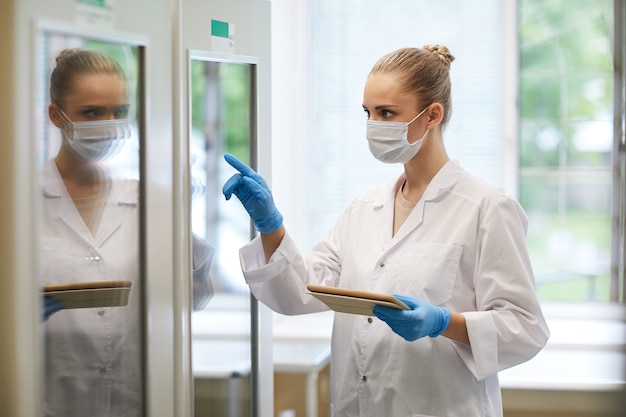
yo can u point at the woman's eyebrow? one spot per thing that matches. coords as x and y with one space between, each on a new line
101 107
383 106
91 106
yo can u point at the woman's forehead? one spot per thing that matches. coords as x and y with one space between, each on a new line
106 88
385 87
383 80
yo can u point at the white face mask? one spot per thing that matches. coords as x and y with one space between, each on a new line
388 141
97 140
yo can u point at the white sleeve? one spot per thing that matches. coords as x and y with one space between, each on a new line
280 283
509 327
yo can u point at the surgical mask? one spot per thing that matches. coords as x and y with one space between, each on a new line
96 140
388 141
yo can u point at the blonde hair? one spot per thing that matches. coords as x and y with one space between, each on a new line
73 62
423 72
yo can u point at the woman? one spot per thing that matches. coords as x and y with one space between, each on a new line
90 232
447 244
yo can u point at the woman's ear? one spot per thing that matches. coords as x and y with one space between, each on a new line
54 115
435 115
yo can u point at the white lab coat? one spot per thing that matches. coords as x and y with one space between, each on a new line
93 355
463 246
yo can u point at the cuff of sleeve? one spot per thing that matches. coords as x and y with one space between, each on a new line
481 358
254 266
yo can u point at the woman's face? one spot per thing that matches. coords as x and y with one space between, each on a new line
385 101
97 97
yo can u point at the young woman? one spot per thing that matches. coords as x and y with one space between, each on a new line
90 232
444 242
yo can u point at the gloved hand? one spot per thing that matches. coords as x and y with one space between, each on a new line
424 319
254 194
51 306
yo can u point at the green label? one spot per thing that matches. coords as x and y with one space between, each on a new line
219 28
96 3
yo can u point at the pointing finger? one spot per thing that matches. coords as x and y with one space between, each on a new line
239 166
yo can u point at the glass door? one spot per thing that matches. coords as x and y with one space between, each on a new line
222 96
90 132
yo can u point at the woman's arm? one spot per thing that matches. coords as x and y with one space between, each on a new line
271 241
457 329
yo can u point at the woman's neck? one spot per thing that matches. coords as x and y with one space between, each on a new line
422 169
81 178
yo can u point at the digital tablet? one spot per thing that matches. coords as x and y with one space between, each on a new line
344 300
90 294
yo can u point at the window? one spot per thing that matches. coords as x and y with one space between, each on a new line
532 112
345 41
566 145
503 93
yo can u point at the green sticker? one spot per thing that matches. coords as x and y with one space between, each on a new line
219 28
97 3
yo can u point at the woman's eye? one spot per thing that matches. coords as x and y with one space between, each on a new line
121 113
90 114
386 114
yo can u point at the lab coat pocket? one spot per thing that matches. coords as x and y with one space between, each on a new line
428 271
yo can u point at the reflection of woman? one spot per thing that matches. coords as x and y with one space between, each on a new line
450 245
90 232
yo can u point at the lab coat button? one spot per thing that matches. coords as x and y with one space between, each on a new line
364 378
369 320
382 265
103 369
101 312
96 258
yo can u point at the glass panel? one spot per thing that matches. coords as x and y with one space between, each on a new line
90 266
222 121
566 92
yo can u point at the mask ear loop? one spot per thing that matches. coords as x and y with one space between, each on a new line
66 124
60 114
63 116
415 118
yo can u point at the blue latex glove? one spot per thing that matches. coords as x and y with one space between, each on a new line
254 194
51 306
424 319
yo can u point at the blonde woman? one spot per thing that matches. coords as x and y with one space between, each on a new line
449 245
90 232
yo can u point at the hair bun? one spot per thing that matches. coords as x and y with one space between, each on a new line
442 52
66 53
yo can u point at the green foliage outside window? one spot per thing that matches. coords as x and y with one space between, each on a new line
566 96
231 88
